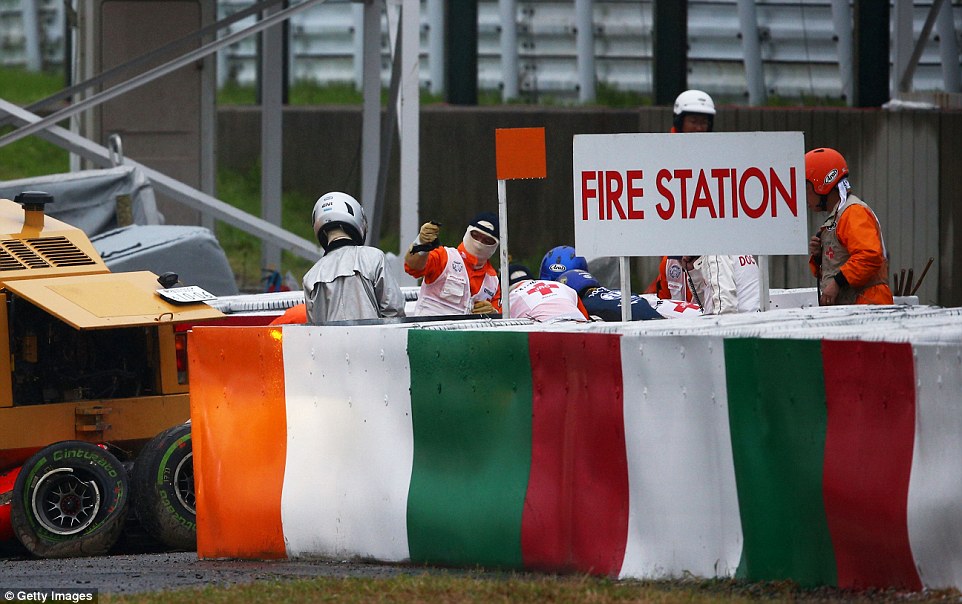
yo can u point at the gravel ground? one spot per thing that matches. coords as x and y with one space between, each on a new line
136 573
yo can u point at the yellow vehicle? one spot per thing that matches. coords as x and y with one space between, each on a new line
88 376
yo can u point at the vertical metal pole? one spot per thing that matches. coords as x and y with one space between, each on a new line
409 122
842 24
222 69
872 25
509 48
388 136
86 121
208 118
752 52
763 283
272 82
902 34
436 45
949 49
31 35
370 60
461 45
623 267
358 13
503 224
670 50
586 50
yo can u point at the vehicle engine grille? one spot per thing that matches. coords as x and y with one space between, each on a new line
43 252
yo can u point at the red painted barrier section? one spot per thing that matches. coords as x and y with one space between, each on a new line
576 517
870 394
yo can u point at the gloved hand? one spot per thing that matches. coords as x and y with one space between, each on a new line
482 307
429 232
815 249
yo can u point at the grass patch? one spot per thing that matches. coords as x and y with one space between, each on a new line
30 156
610 96
309 92
243 249
24 87
456 588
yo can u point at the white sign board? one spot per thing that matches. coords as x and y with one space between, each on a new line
690 194
185 295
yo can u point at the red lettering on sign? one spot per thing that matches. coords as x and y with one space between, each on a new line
754 193
587 192
664 212
743 201
635 192
790 199
702 196
720 174
684 175
734 194
613 190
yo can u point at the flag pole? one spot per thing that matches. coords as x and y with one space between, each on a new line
519 153
503 223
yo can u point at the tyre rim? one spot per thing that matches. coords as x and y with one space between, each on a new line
184 483
64 503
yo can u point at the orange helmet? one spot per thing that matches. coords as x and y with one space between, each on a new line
824 168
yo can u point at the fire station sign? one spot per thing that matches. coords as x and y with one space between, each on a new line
690 194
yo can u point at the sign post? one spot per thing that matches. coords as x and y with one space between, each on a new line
519 153
677 194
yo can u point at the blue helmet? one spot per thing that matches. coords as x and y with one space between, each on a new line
578 280
560 259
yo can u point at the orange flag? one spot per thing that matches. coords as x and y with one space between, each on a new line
520 153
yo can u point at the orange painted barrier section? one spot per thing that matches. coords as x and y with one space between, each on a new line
239 433
519 153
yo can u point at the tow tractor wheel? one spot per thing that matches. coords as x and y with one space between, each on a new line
163 485
70 499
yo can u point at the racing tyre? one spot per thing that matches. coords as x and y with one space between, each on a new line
163 485
70 499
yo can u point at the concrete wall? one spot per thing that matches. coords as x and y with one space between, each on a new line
902 164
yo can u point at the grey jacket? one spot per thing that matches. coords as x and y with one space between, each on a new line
349 283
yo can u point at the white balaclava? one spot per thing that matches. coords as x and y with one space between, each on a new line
481 251
334 233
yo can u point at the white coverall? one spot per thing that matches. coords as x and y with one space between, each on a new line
727 284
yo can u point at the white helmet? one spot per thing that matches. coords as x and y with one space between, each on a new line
340 210
693 101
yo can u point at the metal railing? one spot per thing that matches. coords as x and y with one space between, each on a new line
799 47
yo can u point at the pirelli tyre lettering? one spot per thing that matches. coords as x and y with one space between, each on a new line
70 499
